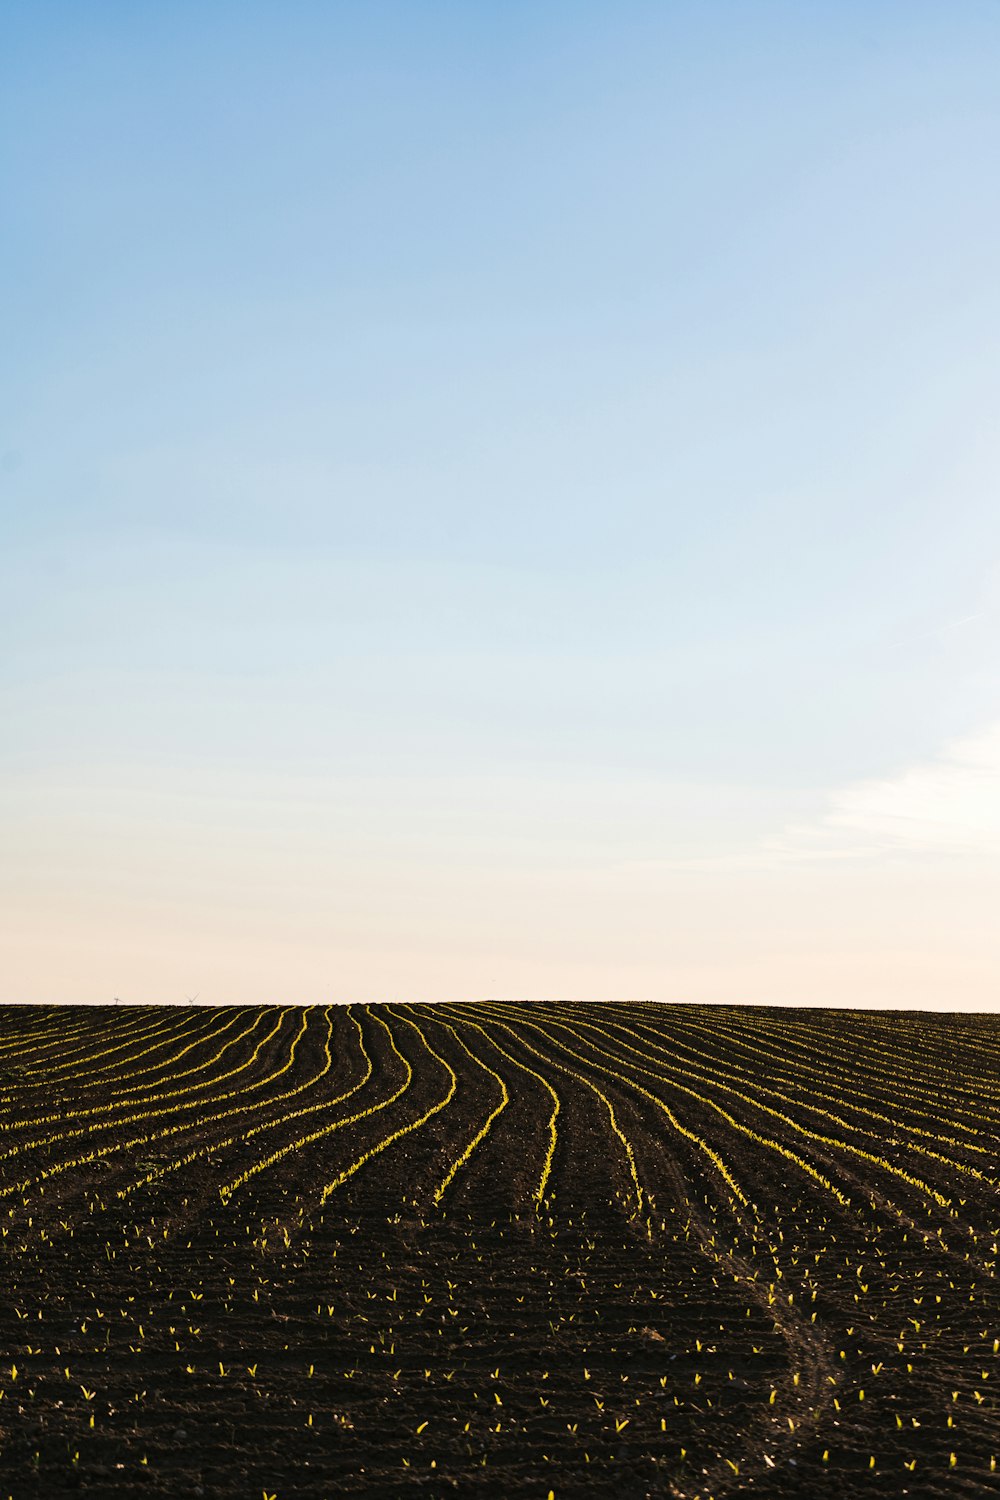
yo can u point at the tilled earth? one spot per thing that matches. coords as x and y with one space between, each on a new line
635 1251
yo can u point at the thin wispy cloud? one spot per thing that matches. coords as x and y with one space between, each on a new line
948 806
938 631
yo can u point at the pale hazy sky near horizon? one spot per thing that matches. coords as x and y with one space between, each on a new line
500 500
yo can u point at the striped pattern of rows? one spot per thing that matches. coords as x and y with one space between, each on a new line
778 1229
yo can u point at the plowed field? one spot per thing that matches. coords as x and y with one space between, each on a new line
399 1250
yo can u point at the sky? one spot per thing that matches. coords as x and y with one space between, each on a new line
500 500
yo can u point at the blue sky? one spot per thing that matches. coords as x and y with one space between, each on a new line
500 499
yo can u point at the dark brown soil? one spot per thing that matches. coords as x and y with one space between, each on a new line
264 1253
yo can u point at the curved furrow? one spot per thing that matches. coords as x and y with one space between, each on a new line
155 1095
588 1083
106 1155
382 1143
707 1074
890 1059
682 1029
463 1157
87 1061
329 1127
127 1072
804 1390
208 1151
50 1031
837 1062
616 1130
460 1014
101 1031
925 1101
187 1114
831 1153
173 1135
833 1144
712 1155
93 1062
